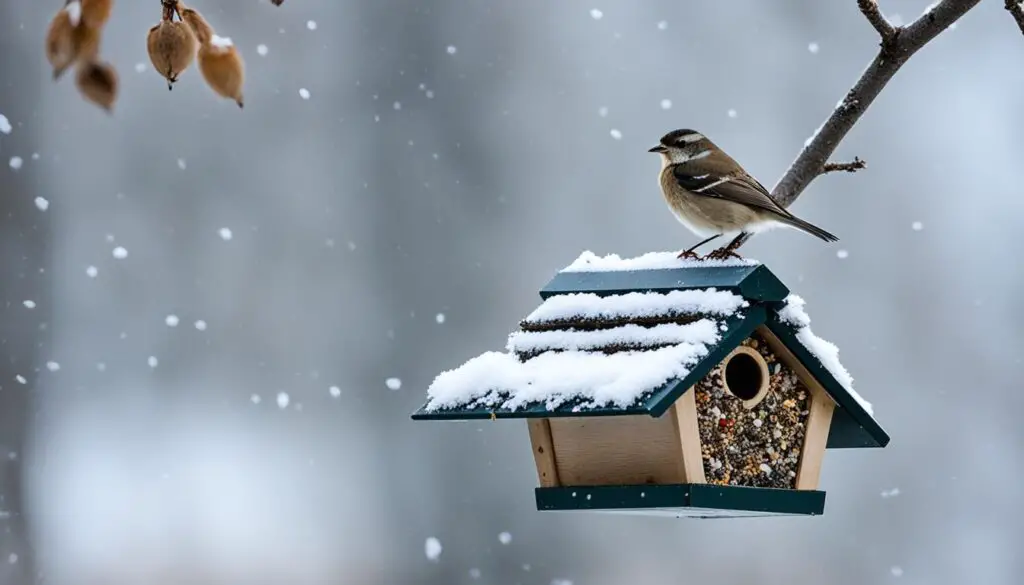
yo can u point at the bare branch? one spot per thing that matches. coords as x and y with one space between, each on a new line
906 41
874 15
847 167
1017 12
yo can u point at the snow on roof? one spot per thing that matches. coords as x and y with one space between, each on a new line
590 262
632 336
500 380
636 304
827 353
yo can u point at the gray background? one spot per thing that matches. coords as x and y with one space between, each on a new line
354 223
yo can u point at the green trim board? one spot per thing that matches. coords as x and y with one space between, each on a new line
655 404
852 426
752 282
687 499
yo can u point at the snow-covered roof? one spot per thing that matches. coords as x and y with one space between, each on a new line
593 367
630 336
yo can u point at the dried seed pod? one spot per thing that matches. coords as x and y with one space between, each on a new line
222 68
95 13
202 29
60 38
172 46
97 81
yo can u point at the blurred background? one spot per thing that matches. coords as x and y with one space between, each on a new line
227 400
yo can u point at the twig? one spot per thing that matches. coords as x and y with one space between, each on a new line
1017 12
874 15
847 167
909 39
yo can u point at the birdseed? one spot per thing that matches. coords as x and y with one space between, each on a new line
759 447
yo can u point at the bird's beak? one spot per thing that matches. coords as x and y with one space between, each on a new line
660 148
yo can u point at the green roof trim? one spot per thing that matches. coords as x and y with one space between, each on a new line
683 500
656 402
852 426
753 282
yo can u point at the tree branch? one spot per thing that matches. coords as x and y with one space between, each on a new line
874 15
893 54
848 167
1017 12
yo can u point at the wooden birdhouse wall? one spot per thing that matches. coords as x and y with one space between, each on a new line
754 445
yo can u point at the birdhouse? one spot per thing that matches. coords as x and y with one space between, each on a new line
657 385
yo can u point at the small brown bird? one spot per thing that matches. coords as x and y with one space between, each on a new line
712 195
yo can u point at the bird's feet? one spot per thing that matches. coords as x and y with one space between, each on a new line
688 255
722 254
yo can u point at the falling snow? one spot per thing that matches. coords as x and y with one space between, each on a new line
439 317
283 399
813 48
52 366
505 538
397 105
182 164
171 320
732 113
152 361
602 111
262 50
474 573
452 49
917 226
140 67
896 571
666 104
225 233
890 493
5 125
662 24
29 304
200 325
311 24
42 203
432 548
596 14
21 379
616 134
841 254
91 271
304 93
16 162
335 391
393 383
120 253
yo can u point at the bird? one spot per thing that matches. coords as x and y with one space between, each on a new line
712 195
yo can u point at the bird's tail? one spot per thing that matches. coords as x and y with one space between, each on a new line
807 227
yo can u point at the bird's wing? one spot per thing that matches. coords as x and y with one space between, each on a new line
741 189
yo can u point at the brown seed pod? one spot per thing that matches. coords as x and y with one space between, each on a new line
223 69
98 83
202 29
172 46
60 38
95 13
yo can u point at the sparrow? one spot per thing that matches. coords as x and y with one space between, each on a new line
712 195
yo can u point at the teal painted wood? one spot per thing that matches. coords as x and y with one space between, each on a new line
690 500
852 426
655 404
755 283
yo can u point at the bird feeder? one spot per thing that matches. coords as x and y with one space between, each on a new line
656 385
